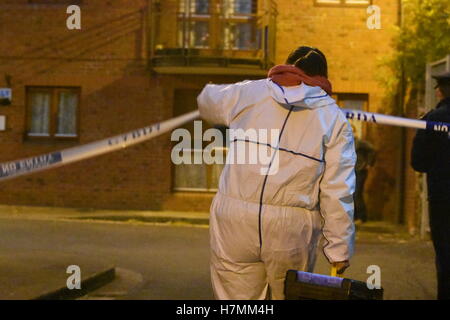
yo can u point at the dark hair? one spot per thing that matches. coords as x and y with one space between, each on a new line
445 89
311 60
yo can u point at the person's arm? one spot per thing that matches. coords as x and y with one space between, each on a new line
217 103
336 193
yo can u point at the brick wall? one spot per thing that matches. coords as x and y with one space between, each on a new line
354 54
108 60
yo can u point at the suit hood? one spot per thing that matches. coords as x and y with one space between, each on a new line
303 96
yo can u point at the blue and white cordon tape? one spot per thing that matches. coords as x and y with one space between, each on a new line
12 169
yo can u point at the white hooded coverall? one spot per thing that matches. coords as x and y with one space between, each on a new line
263 225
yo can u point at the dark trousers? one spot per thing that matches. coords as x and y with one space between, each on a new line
360 205
440 234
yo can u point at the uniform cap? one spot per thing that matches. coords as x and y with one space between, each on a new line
442 78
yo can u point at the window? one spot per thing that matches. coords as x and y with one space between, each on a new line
194 177
197 177
353 101
5 96
244 6
199 34
195 7
194 23
240 25
241 36
343 2
52 112
200 7
225 24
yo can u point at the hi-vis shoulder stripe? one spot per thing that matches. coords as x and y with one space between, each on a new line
9 170
396 121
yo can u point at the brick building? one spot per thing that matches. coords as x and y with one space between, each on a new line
136 62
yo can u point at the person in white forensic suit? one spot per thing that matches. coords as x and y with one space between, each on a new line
264 223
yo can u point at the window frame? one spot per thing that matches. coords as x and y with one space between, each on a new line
184 20
343 4
241 18
183 94
208 170
53 113
341 96
217 21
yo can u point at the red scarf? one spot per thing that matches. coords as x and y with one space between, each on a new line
288 76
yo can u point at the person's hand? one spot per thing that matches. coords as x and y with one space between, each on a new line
341 266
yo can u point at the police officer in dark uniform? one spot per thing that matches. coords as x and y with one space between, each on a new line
431 154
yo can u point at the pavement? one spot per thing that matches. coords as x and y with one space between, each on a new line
67 214
42 277
113 249
164 255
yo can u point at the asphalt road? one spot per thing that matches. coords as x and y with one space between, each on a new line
173 260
